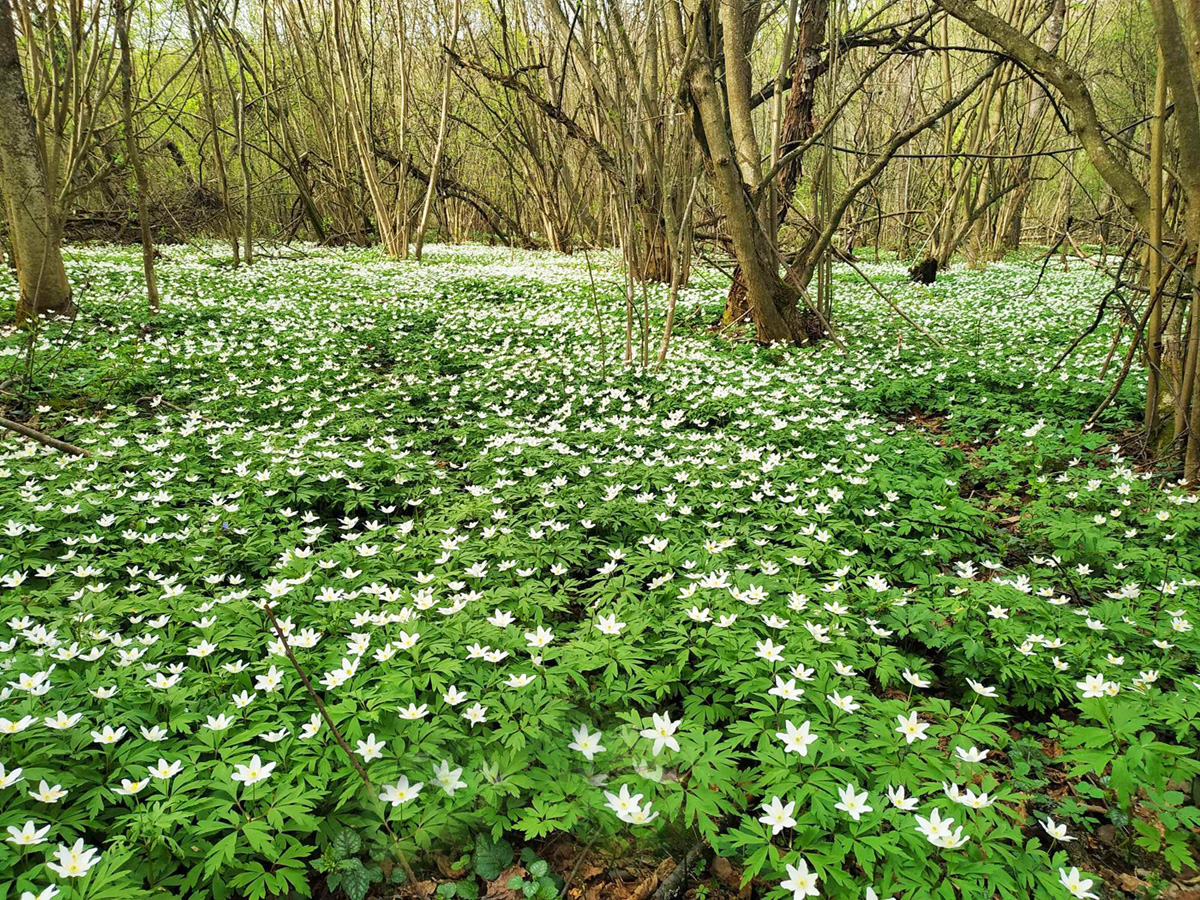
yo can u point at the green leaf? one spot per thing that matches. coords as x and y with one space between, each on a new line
491 858
356 881
345 843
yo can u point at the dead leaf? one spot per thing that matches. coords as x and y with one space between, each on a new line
499 889
445 865
1130 883
649 885
724 872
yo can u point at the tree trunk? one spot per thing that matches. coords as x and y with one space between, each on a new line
440 148
1013 215
36 230
196 28
122 16
772 302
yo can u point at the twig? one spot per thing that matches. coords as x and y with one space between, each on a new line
892 303
1125 367
578 862
341 741
599 319
673 883
35 435
162 401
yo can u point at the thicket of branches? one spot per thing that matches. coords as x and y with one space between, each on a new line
766 136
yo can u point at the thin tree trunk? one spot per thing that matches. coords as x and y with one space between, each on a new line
439 148
122 15
384 218
36 234
244 160
1154 250
210 110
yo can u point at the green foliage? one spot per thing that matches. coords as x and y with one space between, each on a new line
491 857
536 603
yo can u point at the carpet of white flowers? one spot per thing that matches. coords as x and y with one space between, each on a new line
882 624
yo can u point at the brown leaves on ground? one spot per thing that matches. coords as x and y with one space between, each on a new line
499 889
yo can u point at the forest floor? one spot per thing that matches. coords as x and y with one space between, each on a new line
375 570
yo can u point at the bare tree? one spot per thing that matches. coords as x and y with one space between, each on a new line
122 14
36 229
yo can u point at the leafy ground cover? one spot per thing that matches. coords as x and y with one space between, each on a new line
892 623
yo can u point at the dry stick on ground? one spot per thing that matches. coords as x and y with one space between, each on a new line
167 403
892 303
35 435
578 862
337 736
674 882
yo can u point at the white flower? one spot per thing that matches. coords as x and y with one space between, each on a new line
623 804
973 755
777 815
769 651
47 794
157 733
786 690
981 689
938 832
370 748
28 835
852 803
253 772
1092 686
662 733
74 861
130 788
796 740
846 703
801 882
610 625
640 815
62 721
1076 884
448 779
108 736
164 769
587 744
911 728
900 801
401 791
413 712
1056 830
11 727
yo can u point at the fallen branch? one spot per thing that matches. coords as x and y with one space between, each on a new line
34 435
160 401
341 742
892 303
674 883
